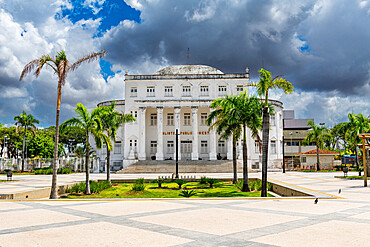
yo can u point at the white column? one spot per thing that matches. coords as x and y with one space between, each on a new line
142 154
240 149
159 154
212 144
195 153
177 126
230 148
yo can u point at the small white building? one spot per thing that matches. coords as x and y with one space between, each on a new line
309 159
178 97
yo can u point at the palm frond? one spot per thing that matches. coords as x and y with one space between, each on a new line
89 58
29 67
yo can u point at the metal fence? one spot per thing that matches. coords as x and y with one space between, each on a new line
72 163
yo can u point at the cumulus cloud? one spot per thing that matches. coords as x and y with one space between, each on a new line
320 45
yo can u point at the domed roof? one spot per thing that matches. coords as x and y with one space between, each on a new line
188 70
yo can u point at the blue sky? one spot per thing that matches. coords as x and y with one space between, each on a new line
325 57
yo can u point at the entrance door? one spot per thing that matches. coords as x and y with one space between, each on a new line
186 148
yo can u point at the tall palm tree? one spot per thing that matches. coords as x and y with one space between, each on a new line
90 123
111 121
61 67
317 134
266 83
245 111
225 126
24 121
358 124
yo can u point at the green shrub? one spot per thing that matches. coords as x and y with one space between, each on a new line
187 193
203 180
95 187
66 171
255 185
159 181
180 182
211 181
138 187
139 181
239 184
269 186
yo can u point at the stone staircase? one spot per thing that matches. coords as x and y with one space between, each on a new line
185 166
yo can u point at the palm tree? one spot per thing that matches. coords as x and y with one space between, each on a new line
90 123
61 67
265 83
317 134
111 121
24 121
244 111
225 126
358 124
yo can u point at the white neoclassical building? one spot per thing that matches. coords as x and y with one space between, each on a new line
178 97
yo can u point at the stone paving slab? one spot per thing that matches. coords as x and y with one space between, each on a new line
343 220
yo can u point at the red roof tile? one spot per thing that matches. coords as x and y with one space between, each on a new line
321 151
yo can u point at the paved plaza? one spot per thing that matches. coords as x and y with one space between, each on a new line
343 219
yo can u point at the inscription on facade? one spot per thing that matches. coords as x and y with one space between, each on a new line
184 133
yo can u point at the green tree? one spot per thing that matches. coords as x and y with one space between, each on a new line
112 120
41 145
225 126
358 124
71 137
60 65
89 123
317 134
263 86
25 121
246 112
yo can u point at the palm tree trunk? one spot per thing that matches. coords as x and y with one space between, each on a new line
235 168
245 161
87 165
108 164
318 159
265 145
54 191
23 147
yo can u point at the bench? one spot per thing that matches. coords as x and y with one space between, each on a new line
9 176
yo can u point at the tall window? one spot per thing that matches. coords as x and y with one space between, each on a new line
272 119
170 148
221 90
117 147
150 91
239 88
170 119
203 118
153 119
104 149
187 119
133 91
273 147
221 147
153 147
256 147
203 147
168 91
186 91
203 90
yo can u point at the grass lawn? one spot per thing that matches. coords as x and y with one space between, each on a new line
4 181
352 177
320 171
169 190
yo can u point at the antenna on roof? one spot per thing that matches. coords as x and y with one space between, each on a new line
187 62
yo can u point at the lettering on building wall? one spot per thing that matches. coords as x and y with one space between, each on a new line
184 133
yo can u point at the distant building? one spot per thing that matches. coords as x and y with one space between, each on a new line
295 131
309 159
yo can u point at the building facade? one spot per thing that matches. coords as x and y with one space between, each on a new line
179 98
